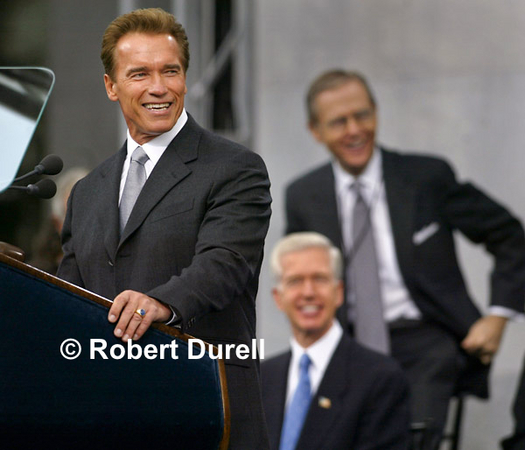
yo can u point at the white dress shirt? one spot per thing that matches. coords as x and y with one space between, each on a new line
154 149
320 354
397 302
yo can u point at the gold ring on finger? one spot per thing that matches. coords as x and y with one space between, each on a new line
141 313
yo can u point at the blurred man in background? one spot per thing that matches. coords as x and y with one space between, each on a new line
393 215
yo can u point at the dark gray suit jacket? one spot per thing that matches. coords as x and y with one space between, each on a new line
422 191
194 240
369 406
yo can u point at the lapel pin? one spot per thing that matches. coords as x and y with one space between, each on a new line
325 403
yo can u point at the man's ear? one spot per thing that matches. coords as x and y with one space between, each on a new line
110 88
314 129
340 293
277 297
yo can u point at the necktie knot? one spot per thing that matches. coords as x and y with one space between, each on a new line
139 156
304 363
358 187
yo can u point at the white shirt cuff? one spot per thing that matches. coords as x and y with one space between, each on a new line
173 317
508 313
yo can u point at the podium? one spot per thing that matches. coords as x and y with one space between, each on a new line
52 398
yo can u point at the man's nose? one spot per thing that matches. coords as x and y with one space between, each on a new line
308 289
158 85
352 126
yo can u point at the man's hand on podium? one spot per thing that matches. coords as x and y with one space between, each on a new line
135 312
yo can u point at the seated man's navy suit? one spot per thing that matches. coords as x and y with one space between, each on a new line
361 403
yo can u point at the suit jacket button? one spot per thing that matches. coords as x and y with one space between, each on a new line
110 263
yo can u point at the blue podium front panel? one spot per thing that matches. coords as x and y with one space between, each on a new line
150 393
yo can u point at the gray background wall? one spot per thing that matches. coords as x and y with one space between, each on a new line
449 77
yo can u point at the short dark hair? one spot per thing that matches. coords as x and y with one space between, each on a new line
148 20
330 80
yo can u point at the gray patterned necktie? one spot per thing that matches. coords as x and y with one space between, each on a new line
370 327
134 182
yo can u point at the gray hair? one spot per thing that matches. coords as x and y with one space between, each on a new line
301 241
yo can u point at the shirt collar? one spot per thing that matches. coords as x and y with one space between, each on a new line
156 147
369 179
320 352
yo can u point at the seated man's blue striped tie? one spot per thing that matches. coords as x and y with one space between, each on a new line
298 407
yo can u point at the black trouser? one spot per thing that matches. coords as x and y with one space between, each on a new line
517 440
433 363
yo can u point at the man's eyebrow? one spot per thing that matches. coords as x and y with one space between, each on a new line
145 69
337 119
173 66
135 70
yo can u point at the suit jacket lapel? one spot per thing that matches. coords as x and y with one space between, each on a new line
110 186
170 170
326 205
401 198
275 409
334 384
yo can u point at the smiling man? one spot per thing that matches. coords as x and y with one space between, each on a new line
172 226
393 215
328 392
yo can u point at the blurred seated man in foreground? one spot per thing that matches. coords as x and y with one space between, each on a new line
327 392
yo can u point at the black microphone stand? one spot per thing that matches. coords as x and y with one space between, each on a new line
46 188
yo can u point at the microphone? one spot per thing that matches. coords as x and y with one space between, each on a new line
45 188
50 165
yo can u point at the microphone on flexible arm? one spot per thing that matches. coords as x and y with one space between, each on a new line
50 165
45 188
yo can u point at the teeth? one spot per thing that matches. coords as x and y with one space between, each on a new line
309 309
157 105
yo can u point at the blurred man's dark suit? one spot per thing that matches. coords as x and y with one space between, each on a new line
422 192
361 403
194 240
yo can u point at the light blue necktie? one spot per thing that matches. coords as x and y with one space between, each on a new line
296 412
134 182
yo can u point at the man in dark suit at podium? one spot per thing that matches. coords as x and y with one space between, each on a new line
172 226
394 216
328 392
